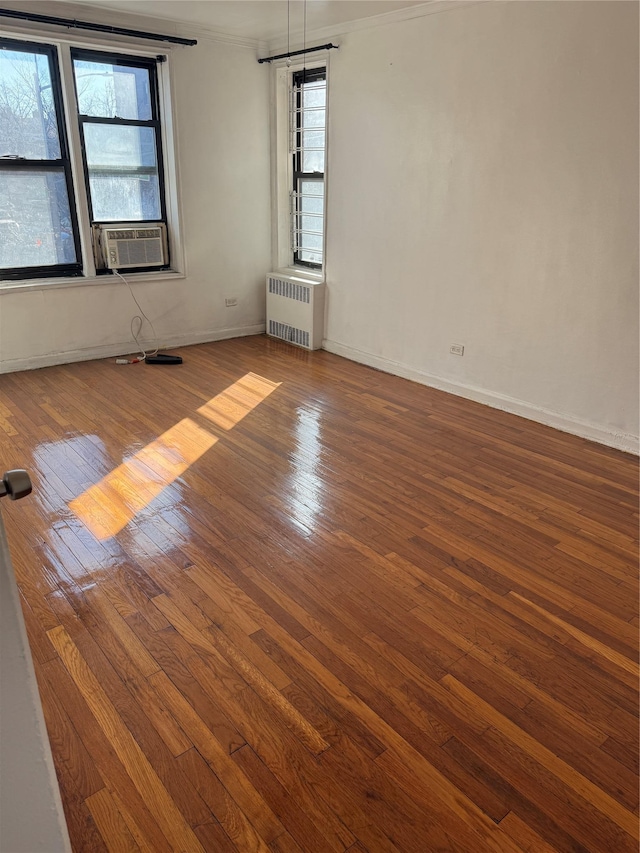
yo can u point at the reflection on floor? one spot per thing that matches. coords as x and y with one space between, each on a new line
111 504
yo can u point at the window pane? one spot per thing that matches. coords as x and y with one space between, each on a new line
35 221
311 223
313 118
112 91
313 161
313 142
313 139
310 248
312 204
314 94
310 241
124 199
311 188
28 124
123 172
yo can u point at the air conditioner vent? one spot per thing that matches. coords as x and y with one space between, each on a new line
135 253
295 311
123 247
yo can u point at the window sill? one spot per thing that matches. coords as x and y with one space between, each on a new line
33 285
301 273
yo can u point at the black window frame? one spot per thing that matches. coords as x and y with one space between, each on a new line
298 79
155 122
62 164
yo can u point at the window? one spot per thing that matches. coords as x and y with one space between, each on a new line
120 130
308 132
38 225
117 101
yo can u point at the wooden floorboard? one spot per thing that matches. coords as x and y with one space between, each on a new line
279 602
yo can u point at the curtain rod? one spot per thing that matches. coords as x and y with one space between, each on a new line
87 25
298 52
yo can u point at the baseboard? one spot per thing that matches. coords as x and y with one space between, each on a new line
621 441
126 348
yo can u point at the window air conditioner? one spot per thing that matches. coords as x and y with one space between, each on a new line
125 246
295 311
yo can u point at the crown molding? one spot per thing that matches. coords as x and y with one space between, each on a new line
199 32
431 7
100 14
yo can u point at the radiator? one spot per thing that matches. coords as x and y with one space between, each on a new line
295 311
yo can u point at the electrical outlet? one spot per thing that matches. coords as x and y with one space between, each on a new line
456 349
231 302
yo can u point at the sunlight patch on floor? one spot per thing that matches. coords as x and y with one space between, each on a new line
235 402
112 503
108 506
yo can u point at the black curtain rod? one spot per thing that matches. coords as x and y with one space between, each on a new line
298 52
87 25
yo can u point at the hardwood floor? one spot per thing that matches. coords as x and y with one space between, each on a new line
281 602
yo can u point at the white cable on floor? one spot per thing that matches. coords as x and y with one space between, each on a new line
139 320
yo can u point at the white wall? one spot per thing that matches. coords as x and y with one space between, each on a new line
31 815
483 190
221 114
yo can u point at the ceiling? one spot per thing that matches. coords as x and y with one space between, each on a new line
263 20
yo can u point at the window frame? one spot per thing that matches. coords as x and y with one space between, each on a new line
63 164
62 43
155 122
299 78
282 166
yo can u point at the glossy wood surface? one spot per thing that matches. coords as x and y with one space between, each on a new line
281 602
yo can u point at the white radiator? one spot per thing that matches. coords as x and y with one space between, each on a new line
295 311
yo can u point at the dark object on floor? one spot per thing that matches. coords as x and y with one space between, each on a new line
163 358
